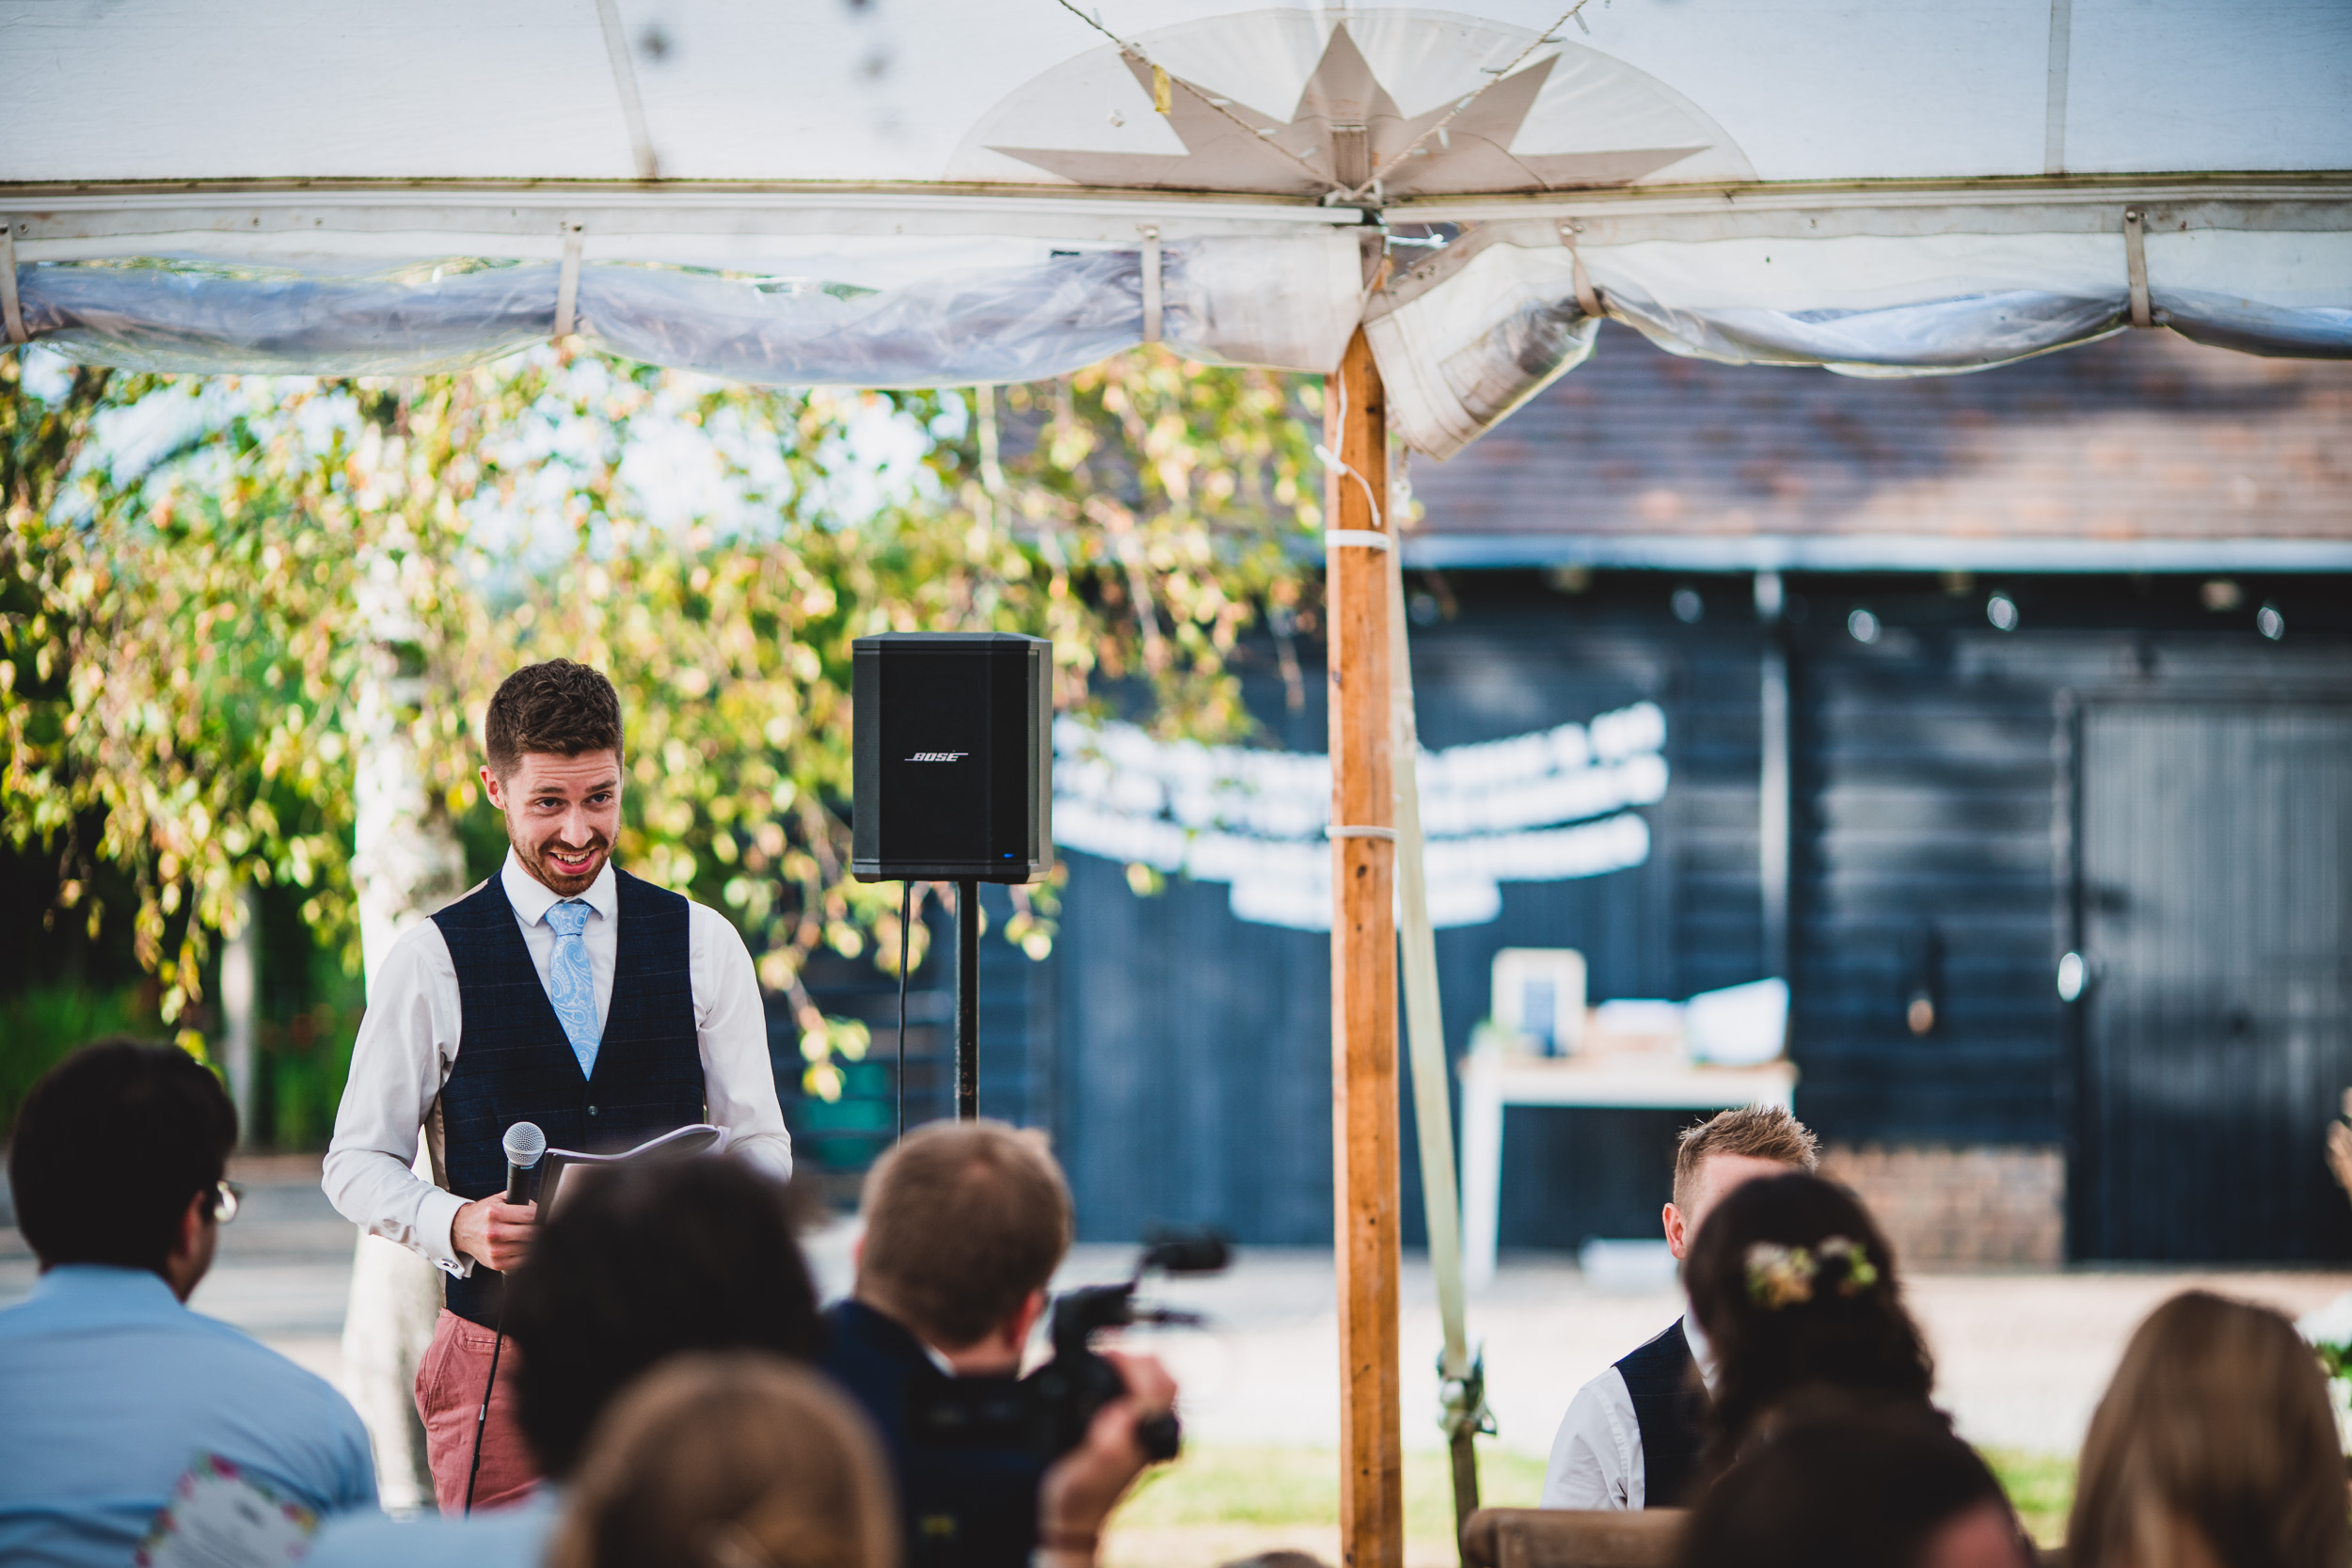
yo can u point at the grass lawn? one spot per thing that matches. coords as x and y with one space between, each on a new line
1224 1503
2042 1488
1219 1503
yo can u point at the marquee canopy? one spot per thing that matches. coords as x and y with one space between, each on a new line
925 191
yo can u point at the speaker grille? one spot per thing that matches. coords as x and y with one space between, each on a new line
951 778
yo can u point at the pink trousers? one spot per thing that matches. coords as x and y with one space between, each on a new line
449 1381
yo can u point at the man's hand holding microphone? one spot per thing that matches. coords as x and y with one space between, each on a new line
494 1231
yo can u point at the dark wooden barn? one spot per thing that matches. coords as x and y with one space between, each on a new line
2068 655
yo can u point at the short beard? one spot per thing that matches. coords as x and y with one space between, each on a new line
558 880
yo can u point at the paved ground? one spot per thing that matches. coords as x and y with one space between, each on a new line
2022 1357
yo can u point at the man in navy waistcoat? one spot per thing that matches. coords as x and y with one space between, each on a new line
1632 1436
561 991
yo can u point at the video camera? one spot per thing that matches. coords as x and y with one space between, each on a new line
1047 1413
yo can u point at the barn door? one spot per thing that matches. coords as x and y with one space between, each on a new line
2214 919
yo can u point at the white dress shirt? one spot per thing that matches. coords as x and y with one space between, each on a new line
409 1036
1597 1458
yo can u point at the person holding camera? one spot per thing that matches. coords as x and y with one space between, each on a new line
966 1223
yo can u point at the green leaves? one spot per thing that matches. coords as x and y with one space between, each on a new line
185 642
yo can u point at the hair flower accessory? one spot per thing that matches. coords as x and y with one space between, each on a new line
1782 1275
1779 1275
1861 1274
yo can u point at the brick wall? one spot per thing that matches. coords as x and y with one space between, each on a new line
1944 1207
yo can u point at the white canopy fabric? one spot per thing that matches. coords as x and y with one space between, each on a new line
929 192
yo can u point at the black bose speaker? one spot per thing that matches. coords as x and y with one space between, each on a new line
954 756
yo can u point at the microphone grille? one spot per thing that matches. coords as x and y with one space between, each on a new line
524 1144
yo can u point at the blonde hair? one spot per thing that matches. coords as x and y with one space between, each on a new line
963 1220
2216 1443
1756 1132
731 1461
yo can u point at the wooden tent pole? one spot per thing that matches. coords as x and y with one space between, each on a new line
1368 1202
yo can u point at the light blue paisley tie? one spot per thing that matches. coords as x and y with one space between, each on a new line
571 985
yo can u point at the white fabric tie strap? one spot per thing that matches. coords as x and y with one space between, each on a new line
1587 298
11 310
1153 295
2135 265
1363 538
567 286
1388 833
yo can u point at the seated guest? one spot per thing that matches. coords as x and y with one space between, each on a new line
1860 1487
1797 1292
633 1265
109 1385
2214 1444
731 1461
740 1460
1631 1438
966 1223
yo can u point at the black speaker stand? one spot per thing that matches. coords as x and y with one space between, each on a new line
967 999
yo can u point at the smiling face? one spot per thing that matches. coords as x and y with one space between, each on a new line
561 815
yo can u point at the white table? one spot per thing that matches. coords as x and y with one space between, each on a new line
1493 1079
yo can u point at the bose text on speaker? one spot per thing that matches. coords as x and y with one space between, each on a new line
954 756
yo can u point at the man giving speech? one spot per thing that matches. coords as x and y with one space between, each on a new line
561 991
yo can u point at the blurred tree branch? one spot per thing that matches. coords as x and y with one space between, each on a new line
182 637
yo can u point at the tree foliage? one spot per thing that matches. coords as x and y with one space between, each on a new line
197 571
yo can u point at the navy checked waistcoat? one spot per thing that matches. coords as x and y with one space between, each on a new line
1668 1406
514 1063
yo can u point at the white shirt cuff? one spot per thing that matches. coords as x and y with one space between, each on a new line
436 1215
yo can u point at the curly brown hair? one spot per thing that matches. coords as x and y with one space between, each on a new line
1795 1287
559 707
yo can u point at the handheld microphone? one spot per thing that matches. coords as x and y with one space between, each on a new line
524 1144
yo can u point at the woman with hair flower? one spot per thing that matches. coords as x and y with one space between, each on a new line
1796 1289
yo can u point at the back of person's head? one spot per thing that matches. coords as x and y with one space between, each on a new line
1796 1288
735 1460
1858 1486
2215 1444
111 1146
1750 1133
963 1220
639 1262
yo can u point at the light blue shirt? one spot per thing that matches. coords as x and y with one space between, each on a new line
517 1537
109 1389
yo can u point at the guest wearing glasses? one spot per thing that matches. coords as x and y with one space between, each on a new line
112 1388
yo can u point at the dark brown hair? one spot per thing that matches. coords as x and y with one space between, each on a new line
963 1221
111 1146
1857 1485
558 708
738 1460
2217 1432
1796 1288
640 1263
1756 1132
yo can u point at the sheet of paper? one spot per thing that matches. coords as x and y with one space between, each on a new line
218 1517
559 1163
